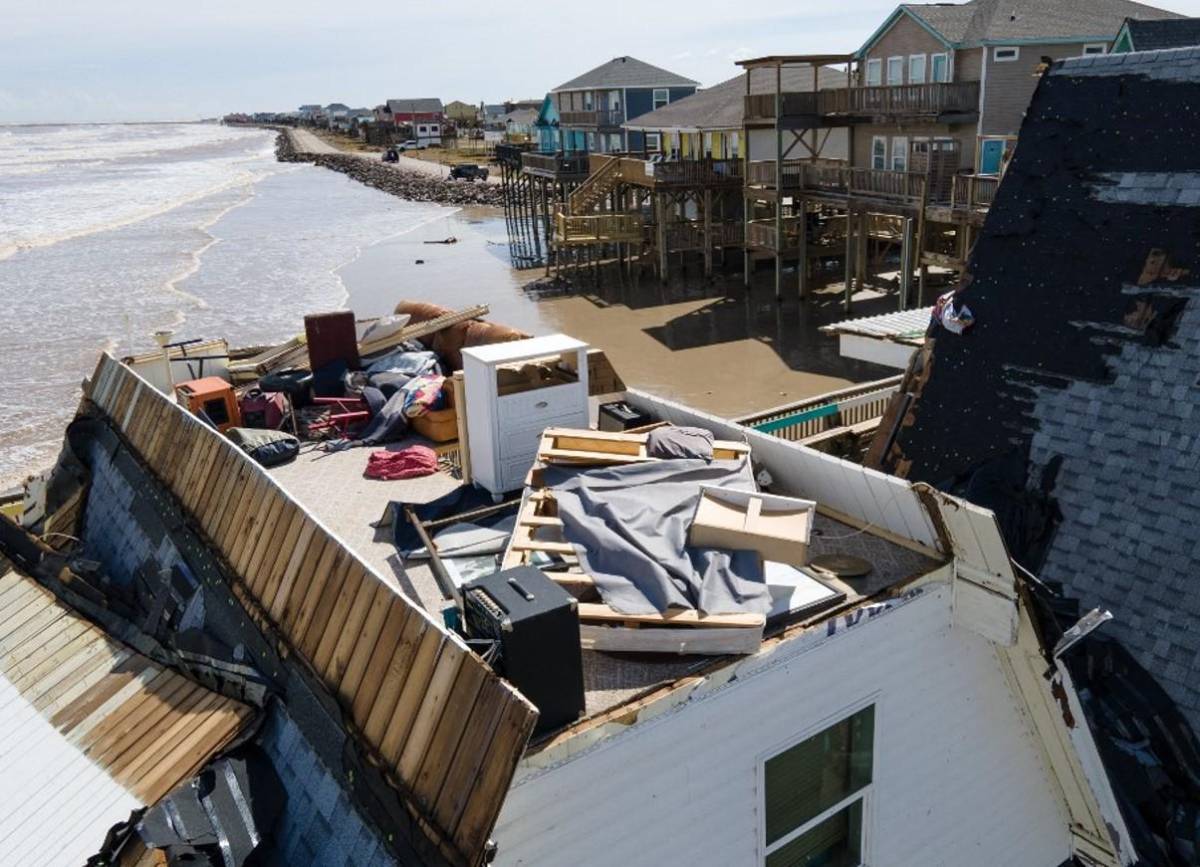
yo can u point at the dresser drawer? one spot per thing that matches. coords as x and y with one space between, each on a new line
522 439
555 400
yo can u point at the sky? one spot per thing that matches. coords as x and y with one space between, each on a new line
136 60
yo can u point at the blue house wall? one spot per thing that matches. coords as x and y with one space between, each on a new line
637 101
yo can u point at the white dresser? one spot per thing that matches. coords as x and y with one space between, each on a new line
511 400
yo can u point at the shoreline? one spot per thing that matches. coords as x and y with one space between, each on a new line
401 182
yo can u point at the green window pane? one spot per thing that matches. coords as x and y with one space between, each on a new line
806 780
836 842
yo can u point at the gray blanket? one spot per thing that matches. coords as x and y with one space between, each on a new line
629 526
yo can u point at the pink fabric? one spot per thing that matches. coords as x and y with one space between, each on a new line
407 463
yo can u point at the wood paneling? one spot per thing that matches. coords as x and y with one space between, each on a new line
446 726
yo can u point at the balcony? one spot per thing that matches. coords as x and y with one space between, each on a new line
605 118
597 228
840 181
931 101
556 165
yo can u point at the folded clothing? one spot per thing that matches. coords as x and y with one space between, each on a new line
408 463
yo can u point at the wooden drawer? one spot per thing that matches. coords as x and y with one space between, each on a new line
541 403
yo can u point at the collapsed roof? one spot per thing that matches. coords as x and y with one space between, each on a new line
1068 408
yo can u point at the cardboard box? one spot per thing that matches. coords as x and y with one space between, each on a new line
778 528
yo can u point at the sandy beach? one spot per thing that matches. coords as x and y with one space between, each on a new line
711 344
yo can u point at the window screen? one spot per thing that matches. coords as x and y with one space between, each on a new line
807 779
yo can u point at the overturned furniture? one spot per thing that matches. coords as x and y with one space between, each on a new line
539 540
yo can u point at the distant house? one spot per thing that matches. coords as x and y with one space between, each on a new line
308 113
1139 34
462 113
494 114
406 111
519 124
333 114
594 107
983 51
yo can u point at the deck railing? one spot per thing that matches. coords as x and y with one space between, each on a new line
598 228
604 117
840 179
974 192
901 100
695 172
806 418
888 100
763 235
555 164
760 106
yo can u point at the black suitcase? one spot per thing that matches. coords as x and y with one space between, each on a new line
535 624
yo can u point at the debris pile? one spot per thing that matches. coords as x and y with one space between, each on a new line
399 182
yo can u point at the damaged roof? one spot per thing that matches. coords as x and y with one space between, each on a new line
1070 407
93 730
986 22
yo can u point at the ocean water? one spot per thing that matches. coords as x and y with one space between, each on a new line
110 232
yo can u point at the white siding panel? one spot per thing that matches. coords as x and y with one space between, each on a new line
804 472
957 776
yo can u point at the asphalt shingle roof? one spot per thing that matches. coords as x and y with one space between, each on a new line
1070 407
626 72
1000 20
425 105
1164 33
721 106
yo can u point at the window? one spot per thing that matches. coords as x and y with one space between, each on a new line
916 69
708 144
734 145
1095 48
1002 55
940 67
615 145
899 154
662 96
879 152
591 141
588 104
816 795
895 70
653 142
874 72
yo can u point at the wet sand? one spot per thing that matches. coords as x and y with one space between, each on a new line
712 344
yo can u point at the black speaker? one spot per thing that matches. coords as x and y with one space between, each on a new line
535 624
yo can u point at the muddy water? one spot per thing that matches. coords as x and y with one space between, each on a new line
713 345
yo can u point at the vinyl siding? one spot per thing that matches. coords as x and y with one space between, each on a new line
968 64
964 133
905 37
1010 86
957 776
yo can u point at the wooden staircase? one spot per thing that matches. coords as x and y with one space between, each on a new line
592 191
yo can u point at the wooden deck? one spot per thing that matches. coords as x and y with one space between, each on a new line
842 106
556 166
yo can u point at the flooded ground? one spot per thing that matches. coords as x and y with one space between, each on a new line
710 343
